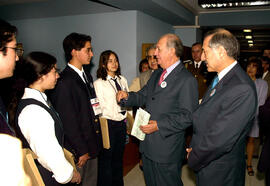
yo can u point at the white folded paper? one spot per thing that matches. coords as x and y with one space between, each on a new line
142 118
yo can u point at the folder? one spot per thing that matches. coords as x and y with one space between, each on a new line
105 132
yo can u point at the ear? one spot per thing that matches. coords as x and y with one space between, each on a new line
222 52
73 52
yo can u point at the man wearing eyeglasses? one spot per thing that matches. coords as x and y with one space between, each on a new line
8 57
153 65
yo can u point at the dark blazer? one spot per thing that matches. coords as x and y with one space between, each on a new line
267 79
71 100
220 127
264 116
172 108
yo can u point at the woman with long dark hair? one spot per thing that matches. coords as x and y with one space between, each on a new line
36 122
109 82
254 70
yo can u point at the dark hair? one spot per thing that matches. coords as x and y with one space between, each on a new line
222 37
74 41
142 62
7 33
150 48
266 59
27 72
173 41
103 61
258 63
197 43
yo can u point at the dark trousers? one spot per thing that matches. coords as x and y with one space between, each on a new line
161 174
47 176
267 178
110 161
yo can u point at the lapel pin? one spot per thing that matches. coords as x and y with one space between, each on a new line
163 84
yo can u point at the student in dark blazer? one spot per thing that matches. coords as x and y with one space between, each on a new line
74 98
224 117
170 96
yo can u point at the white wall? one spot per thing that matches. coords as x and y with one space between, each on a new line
149 30
115 31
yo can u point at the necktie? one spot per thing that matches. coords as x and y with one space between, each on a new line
89 89
162 77
118 88
117 84
196 65
215 81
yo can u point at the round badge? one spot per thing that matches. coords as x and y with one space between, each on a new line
163 84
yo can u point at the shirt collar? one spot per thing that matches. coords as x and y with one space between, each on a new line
226 70
33 93
80 72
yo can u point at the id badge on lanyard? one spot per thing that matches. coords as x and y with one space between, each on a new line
96 106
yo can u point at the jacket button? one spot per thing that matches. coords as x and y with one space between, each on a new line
97 131
96 120
153 98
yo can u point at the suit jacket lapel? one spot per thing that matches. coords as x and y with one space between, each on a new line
78 79
169 79
211 92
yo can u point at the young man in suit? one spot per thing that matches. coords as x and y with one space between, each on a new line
74 98
224 117
170 96
8 57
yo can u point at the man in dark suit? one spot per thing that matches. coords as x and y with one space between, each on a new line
224 117
266 74
8 57
74 99
199 70
170 96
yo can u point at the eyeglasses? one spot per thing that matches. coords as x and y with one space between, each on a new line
19 51
151 57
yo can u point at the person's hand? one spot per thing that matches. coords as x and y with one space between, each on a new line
76 178
150 128
188 151
121 95
82 160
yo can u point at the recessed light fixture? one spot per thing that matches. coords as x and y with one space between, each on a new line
248 37
231 3
247 30
250 45
250 41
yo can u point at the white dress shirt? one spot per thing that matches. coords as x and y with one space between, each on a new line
37 126
78 71
226 70
197 63
106 93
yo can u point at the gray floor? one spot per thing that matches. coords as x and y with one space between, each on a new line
135 177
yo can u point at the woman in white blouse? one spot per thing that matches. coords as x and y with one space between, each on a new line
110 81
37 124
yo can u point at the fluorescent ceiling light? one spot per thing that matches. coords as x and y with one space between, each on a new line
247 30
231 3
250 41
250 45
248 37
